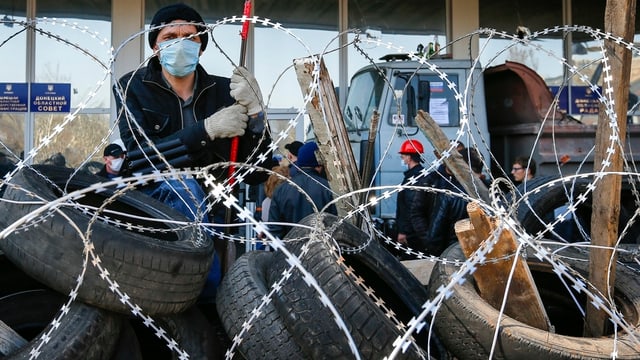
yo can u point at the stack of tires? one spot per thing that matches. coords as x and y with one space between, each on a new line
268 307
100 275
95 272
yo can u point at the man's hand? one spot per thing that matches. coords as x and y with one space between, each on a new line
227 123
245 89
402 239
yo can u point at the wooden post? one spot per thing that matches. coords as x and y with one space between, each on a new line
523 301
619 21
473 186
331 134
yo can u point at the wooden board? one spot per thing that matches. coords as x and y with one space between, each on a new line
331 134
523 301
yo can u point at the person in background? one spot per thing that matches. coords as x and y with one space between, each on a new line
175 107
289 205
113 157
476 165
292 155
56 159
434 214
410 153
269 187
523 169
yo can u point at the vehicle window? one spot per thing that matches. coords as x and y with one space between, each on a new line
365 92
425 92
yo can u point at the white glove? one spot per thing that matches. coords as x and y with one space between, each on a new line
245 89
226 123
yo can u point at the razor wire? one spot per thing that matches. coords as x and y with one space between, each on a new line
220 191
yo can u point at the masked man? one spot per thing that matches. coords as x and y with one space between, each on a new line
113 157
174 107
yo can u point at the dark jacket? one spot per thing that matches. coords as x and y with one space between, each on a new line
157 110
403 204
434 215
289 205
103 173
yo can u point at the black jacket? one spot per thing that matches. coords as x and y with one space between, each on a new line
403 204
434 215
157 110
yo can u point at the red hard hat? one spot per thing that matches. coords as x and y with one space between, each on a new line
411 147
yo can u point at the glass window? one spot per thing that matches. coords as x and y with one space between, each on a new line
364 97
75 143
586 55
429 93
508 15
13 40
75 51
403 24
74 48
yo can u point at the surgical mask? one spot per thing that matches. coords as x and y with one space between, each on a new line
180 57
403 165
116 164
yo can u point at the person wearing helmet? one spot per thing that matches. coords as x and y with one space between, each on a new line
410 153
433 214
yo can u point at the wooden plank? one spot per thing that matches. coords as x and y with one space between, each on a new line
620 21
10 341
473 186
331 134
523 302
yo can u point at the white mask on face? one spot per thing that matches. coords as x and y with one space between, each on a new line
116 164
180 57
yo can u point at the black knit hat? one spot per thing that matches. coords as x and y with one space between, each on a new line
173 12
294 147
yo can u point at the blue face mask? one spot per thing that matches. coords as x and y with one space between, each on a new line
179 58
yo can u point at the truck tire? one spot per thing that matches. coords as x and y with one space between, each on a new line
84 332
466 323
241 291
540 212
160 265
313 325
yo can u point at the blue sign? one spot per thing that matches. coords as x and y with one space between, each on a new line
47 97
14 97
584 101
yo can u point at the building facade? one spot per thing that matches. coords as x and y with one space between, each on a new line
86 44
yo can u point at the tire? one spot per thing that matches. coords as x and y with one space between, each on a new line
189 329
540 212
240 293
162 272
28 308
466 323
127 346
312 324
391 280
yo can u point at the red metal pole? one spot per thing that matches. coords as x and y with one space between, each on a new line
233 156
